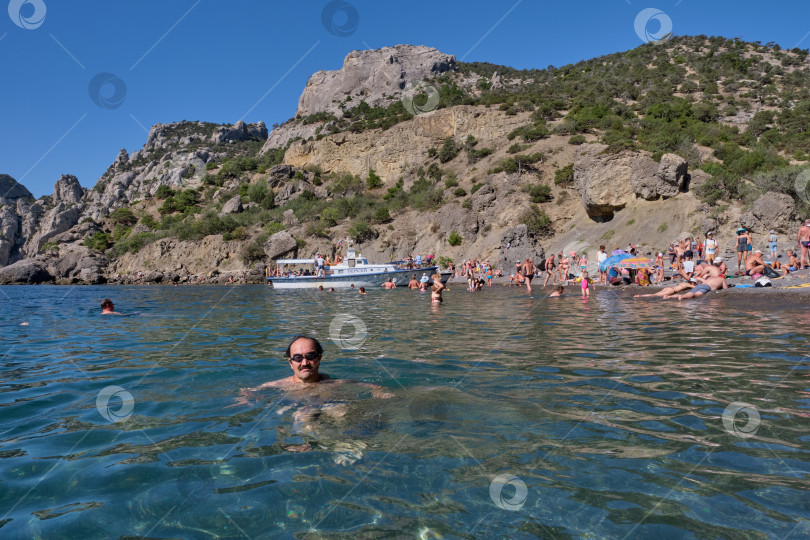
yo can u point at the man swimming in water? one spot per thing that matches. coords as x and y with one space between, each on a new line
413 284
389 284
107 308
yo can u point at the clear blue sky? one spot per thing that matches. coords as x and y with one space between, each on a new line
214 60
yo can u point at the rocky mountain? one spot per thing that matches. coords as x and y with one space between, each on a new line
406 150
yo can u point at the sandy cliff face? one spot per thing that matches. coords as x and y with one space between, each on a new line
404 147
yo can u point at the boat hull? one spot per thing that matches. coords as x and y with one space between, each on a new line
345 281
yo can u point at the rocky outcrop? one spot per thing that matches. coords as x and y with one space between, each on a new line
671 175
293 190
607 182
9 224
281 245
278 175
240 131
602 180
26 271
519 244
233 206
55 221
771 210
67 191
372 76
11 190
483 198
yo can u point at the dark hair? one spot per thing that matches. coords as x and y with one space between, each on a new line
318 348
362 289
560 288
106 303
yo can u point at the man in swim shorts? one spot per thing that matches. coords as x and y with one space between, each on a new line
389 284
754 264
550 271
803 238
528 273
706 285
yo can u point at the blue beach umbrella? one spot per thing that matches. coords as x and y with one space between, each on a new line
613 261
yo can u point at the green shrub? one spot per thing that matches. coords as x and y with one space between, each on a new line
476 187
123 216
577 139
373 181
346 184
565 176
253 252
381 215
454 239
450 182
237 234
99 241
537 221
448 150
164 191
330 216
120 231
539 193
361 232
517 147
459 192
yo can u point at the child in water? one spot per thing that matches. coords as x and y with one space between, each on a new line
586 282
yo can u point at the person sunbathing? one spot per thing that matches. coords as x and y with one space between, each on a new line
667 292
706 285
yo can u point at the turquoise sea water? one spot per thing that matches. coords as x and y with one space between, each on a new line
509 416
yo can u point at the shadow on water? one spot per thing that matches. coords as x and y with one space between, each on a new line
505 415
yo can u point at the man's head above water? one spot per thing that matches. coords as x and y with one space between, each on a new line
304 355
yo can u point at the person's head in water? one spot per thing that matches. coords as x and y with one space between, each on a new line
304 355
107 306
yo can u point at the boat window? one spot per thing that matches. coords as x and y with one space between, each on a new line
351 263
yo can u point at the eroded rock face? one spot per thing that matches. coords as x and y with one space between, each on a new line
240 131
518 244
602 180
67 190
293 190
233 206
483 198
55 221
371 76
11 190
9 224
774 211
281 245
26 271
671 175
607 182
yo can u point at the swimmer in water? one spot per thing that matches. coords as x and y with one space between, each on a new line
438 287
107 308
558 292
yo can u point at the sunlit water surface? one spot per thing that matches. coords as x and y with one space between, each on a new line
609 412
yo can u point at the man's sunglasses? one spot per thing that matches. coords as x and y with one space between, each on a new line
311 356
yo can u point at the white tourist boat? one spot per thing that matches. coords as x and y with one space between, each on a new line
353 270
